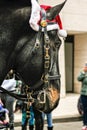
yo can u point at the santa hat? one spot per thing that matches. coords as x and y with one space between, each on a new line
57 19
35 18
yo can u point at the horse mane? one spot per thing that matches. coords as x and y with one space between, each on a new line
15 2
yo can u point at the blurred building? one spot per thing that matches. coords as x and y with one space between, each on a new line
73 50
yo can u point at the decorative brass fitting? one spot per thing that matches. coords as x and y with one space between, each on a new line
43 23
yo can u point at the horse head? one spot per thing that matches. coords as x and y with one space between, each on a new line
52 93
37 64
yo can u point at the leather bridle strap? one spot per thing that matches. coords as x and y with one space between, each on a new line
17 96
54 77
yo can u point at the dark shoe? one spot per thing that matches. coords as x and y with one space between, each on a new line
50 128
23 127
40 127
11 126
31 127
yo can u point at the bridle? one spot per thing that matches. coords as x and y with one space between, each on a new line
28 97
48 63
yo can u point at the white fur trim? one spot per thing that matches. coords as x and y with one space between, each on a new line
62 33
9 84
52 27
35 15
49 27
34 26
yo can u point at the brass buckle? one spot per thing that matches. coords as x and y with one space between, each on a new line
43 23
42 96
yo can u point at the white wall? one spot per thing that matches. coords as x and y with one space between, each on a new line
80 57
50 2
62 69
74 16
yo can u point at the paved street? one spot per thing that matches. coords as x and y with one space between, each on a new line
63 126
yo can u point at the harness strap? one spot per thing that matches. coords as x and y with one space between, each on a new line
17 96
54 77
37 43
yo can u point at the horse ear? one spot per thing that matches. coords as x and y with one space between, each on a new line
52 12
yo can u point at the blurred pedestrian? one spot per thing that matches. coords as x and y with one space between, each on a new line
49 120
23 107
83 79
9 84
80 106
31 120
3 111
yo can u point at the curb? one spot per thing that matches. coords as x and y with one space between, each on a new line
67 119
57 120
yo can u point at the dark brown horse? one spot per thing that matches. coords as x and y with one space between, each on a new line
18 52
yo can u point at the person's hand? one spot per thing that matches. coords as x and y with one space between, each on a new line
5 122
1 122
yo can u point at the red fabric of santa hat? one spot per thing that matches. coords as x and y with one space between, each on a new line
57 19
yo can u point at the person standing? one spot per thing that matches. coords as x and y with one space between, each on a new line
83 79
20 105
31 120
49 120
9 84
25 120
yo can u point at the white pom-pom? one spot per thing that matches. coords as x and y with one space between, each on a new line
62 33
